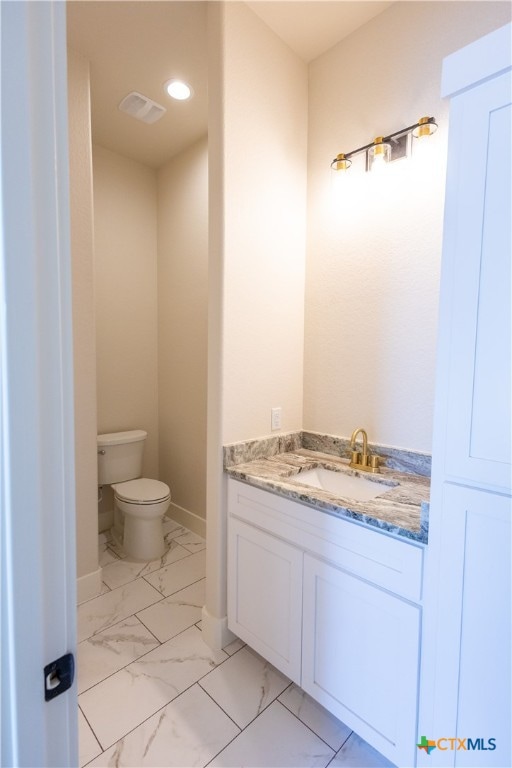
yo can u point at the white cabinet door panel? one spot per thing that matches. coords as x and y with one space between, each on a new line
360 657
473 674
476 300
265 595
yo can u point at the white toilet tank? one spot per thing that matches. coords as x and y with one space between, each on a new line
120 456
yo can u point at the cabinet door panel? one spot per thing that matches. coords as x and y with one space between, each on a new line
473 670
360 657
265 595
475 320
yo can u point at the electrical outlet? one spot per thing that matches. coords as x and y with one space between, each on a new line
276 418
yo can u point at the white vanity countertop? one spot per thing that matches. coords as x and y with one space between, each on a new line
401 510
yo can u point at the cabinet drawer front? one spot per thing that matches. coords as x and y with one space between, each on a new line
396 565
265 595
360 657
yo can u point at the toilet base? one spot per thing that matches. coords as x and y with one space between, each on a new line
143 540
139 528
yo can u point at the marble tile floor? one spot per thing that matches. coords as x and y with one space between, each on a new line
152 693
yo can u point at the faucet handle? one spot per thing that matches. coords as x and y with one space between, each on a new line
355 458
374 461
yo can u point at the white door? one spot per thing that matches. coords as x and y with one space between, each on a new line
37 490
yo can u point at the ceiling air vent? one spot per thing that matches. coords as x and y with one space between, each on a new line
139 106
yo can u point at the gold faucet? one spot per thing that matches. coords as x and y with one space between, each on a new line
363 461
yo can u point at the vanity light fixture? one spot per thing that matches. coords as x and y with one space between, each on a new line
179 90
384 149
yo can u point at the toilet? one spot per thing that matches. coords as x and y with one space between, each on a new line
139 503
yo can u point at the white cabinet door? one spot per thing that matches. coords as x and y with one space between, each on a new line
265 595
472 645
475 321
465 687
360 657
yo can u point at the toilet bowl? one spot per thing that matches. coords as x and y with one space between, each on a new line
139 503
143 504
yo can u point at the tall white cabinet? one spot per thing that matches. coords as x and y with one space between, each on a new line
466 675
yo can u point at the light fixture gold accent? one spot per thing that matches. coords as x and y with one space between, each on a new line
382 147
342 164
424 128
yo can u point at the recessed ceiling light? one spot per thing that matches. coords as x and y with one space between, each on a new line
178 90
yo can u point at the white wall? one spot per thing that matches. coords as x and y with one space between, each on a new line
183 330
125 239
374 246
264 117
84 339
257 195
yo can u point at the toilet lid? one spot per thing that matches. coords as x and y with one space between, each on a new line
141 491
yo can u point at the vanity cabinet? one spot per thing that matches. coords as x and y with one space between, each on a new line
335 606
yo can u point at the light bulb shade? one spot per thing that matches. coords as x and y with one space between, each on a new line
179 90
379 154
341 163
426 127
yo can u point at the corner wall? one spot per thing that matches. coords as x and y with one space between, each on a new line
183 331
265 145
125 240
257 132
84 341
374 243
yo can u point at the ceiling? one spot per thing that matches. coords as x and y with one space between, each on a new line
139 46
310 28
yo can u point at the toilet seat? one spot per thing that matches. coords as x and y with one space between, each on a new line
142 491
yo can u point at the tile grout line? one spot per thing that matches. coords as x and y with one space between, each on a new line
310 728
141 578
86 690
122 586
261 710
118 620
170 593
160 643
169 702
132 581
196 682
240 729
339 750
93 733
151 573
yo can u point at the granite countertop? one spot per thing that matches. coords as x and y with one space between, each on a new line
401 510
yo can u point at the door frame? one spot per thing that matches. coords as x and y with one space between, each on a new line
37 480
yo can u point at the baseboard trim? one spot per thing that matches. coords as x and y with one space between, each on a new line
189 519
215 631
88 586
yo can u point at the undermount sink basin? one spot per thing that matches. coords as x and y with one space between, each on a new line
341 484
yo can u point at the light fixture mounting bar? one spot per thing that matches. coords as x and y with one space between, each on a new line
422 123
